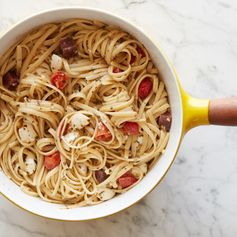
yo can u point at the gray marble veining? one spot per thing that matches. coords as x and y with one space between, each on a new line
198 196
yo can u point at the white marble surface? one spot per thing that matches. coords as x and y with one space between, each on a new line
198 196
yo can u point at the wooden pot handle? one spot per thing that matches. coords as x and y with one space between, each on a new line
223 111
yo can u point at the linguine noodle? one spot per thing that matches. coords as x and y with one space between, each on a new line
103 90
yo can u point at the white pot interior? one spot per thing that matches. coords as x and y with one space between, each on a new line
36 205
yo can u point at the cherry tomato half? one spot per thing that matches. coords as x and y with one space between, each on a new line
116 70
103 133
50 162
130 128
59 79
145 88
127 180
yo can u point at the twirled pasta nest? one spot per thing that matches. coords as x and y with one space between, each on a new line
84 115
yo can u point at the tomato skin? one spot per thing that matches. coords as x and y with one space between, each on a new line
59 79
145 88
116 70
103 133
127 180
130 128
52 161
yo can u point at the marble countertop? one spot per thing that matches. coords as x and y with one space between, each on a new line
198 195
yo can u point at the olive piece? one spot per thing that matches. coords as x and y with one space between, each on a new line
11 80
165 121
68 47
100 175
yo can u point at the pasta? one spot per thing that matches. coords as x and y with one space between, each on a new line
84 115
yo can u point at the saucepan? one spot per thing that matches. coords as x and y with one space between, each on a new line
187 113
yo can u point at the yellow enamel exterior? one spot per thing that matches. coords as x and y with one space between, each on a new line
195 111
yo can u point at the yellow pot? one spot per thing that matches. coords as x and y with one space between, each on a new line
187 112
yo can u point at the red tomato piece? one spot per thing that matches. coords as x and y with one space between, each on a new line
103 133
127 180
116 70
145 88
141 51
50 162
127 174
131 128
59 79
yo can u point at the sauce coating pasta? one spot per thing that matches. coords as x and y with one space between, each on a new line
84 115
